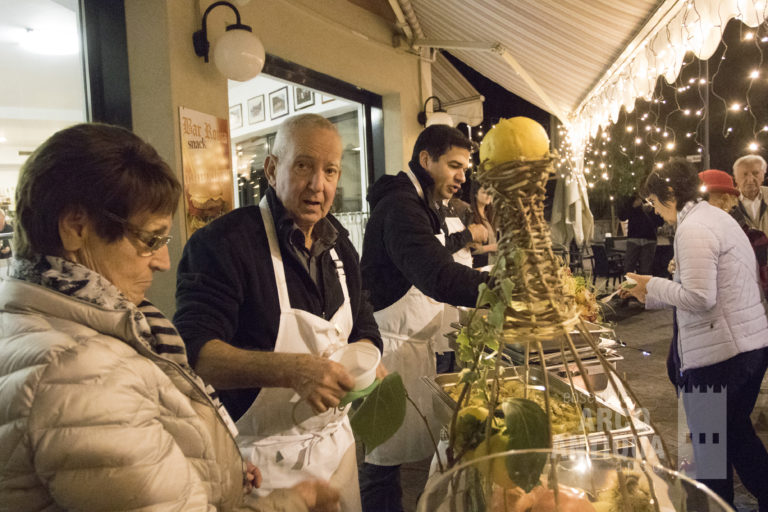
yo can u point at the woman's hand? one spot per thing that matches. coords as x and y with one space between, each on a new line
479 233
639 291
672 266
252 478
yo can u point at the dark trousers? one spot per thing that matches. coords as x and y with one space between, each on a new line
380 489
741 375
639 256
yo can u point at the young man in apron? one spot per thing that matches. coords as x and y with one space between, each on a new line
264 295
411 276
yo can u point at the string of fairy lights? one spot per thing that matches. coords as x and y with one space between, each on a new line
672 123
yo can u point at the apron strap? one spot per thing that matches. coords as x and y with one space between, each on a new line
340 272
277 258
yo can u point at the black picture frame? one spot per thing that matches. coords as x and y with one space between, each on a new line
303 98
256 109
278 103
236 116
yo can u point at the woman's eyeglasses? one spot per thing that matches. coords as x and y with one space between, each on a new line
152 241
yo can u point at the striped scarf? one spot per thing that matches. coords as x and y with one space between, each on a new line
156 332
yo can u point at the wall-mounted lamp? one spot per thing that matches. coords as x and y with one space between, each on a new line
238 53
437 116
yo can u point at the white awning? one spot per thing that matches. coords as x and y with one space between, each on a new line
457 95
580 60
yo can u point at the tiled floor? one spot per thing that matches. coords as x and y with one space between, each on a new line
641 330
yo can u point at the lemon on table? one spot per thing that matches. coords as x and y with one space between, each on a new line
495 468
470 427
517 138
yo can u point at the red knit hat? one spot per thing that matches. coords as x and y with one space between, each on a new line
718 181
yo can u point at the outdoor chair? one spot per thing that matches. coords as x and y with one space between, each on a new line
576 259
605 265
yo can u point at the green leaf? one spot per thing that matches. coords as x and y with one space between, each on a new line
485 296
501 263
508 289
465 353
381 414
491 340
467 375
527 427
496 316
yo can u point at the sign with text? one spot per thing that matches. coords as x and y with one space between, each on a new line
207 167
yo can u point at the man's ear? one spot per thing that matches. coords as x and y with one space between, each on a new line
270 169
72 227
424 158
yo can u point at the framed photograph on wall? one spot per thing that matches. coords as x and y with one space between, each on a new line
278 103
256 112
302 98
236 116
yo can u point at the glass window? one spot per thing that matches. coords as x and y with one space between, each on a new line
43 90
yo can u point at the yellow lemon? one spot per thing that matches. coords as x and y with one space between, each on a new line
518 138
476 411
495 468
470 427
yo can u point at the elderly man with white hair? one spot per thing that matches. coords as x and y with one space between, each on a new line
752 210
263 295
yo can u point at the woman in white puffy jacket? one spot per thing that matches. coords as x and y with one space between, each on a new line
99 410
721 330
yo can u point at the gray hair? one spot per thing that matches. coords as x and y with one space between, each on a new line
290 125
750 159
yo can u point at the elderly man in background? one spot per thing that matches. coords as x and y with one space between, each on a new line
264 295
749 174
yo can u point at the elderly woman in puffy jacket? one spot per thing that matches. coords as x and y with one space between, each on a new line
99 409
721 330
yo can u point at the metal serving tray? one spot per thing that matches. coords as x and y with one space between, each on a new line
554 344
444 405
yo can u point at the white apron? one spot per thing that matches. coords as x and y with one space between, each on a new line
280 433
408 329
451 313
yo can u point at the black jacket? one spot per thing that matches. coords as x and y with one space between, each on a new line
643 222
400 248
226 289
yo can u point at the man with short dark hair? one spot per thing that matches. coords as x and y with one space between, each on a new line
749 175
264 295
410 275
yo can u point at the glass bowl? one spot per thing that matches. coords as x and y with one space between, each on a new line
524 481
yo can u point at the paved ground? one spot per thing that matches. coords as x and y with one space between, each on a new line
641 330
